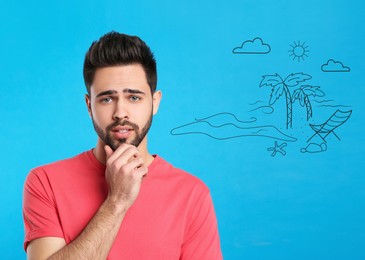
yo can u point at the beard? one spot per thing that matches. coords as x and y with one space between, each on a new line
114 143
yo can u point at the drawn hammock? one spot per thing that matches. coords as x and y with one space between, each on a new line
337 119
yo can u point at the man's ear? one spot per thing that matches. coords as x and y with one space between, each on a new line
156 98
88 104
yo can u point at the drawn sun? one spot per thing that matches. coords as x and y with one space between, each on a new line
298 51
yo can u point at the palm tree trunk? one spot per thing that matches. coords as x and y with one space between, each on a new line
289 108
308 106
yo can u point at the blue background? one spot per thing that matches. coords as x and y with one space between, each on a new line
297 206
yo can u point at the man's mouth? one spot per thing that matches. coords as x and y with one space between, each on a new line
122 132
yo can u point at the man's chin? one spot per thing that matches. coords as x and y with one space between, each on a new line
114 145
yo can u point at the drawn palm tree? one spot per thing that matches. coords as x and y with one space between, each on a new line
280 87
303 93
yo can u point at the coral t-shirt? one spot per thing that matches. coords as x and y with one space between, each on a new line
172 218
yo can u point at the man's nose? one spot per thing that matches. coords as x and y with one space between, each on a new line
120 111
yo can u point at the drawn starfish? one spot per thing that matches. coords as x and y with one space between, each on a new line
277 148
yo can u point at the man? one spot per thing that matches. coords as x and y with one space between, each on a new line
118 201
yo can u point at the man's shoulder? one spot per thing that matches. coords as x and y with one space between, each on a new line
167 170
64 162
64 165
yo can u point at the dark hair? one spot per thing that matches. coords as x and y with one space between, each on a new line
113 49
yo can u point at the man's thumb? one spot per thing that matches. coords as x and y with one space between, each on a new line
108 151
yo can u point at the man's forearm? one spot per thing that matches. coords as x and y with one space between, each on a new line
98 237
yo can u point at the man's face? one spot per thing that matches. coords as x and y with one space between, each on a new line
121 105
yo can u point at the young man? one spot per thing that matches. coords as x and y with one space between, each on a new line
118 201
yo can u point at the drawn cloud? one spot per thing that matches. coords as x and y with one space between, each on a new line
334 66
256 46
223 126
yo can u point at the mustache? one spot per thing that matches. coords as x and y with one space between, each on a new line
122 123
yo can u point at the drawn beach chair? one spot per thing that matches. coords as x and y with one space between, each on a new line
338 118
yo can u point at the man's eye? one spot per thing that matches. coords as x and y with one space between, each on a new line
106 100
134 98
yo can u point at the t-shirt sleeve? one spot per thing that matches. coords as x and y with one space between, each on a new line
39 208
202 238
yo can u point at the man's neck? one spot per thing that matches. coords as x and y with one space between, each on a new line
100 155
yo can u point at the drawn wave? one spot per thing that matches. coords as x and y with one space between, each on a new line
323 101
258 131
264 109
332 106
221 119
229 130
258 101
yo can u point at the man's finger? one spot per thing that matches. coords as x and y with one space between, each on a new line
120 150
108 151
142 171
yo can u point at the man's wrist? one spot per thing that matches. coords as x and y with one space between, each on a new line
114 206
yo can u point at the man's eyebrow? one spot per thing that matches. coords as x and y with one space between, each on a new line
133 91
107 92
126 90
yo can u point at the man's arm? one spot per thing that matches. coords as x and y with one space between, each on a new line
43 248
93 243
124 172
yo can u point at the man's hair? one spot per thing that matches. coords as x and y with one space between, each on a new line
114 49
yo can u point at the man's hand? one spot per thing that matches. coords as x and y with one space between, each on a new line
124 172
